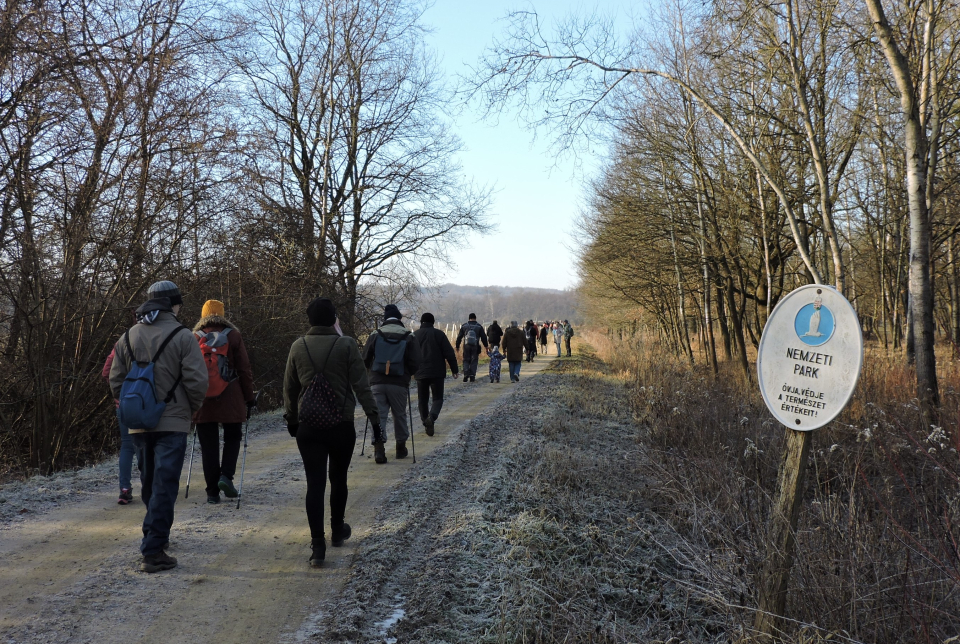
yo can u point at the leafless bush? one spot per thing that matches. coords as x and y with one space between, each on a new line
877 556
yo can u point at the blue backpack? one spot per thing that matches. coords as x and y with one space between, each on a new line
139 407
388 355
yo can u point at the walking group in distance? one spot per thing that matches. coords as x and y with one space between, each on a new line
166 381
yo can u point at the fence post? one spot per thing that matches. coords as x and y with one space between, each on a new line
783 529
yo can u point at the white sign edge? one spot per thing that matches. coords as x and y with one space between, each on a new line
763 392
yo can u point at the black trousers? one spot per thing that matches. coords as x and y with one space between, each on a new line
424 388
336 445
567 341
209 436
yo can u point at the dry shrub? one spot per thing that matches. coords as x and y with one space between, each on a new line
877 553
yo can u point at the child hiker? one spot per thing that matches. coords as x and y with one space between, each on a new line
495 359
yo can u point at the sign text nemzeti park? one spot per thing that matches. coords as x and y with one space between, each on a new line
810 357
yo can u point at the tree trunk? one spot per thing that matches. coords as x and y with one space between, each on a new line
915 148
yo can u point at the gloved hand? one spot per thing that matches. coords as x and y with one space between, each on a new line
292 429
251 405
377 438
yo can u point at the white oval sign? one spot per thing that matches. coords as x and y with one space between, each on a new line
810 357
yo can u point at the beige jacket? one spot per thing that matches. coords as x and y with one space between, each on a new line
182 356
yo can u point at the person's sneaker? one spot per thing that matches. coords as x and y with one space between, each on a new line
379 454
213 498
340 535
126 496
402 449
428 426
158 562
226 485
318 550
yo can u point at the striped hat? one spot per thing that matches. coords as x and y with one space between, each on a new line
165 288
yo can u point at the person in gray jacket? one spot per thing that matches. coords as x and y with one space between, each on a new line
390 376
180 373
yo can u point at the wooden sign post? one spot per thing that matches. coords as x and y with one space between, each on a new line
808 364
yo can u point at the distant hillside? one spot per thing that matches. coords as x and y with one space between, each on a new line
454 302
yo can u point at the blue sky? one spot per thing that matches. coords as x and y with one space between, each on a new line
538 198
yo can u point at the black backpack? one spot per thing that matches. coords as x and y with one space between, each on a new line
320 408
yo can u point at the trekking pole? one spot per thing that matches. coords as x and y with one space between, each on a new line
363 445
186 494
243 464
413 443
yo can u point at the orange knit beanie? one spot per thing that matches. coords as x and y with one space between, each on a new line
212 307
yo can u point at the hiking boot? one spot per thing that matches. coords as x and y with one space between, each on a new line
402 449
158 562
379 455
466 378
318 549
428 426
226 485
213 498
340 534
126 496
472 379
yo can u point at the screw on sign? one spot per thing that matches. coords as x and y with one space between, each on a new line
808 364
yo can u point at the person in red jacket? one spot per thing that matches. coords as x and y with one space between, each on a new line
229 408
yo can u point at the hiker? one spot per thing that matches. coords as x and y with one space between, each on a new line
472 336
496 359
567 334
494 333
334 360
557 335
127 449
513 345
436 353
544 332
393 356
530 337
162 359
230 398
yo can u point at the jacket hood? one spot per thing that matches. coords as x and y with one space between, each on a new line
150 309
218 320
394 326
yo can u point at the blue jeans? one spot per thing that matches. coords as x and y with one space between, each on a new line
163 454
126 456
515 370
558 348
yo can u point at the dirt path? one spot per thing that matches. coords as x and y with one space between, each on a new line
71 574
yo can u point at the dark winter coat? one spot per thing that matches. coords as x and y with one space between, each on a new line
394 330
181 358
494 334
344 370
544 332
513 343
478 329
436 353
231 405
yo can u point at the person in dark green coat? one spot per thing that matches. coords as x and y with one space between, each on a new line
325 350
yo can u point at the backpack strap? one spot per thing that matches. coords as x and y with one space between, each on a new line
325 360
176 383
126 336
166 341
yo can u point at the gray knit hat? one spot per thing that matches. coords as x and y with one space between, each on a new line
165 288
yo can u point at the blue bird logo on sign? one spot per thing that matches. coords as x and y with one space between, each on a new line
814 323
